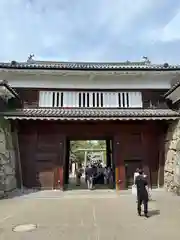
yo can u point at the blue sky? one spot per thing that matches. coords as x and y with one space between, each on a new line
90 30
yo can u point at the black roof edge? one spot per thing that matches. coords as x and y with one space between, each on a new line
96 69
88 67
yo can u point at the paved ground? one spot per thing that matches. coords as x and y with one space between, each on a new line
97 215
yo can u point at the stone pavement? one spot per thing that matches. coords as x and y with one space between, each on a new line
96 215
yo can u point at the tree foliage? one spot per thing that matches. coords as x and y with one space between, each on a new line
77 155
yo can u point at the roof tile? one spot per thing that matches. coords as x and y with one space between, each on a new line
90 66
97 113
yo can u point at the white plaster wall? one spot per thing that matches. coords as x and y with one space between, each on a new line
86 81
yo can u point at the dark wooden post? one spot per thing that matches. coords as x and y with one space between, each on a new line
119 164
146 151
59 173
108 153
161 160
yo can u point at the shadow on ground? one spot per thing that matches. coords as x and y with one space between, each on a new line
19 193
83 186
152 213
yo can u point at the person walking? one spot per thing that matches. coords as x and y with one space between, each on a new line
86 173
78 175
105 176
142 193
89 177
134 188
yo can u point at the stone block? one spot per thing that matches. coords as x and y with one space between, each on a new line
12 160
176 134
168 178
1 173
4 158
169 167
170 156
2 148
173 144
10 183
8 170
2 138
7 159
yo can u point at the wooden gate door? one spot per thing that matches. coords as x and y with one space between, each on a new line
47 160
27 146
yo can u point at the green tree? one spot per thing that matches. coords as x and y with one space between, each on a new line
78 156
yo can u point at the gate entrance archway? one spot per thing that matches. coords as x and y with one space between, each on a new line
79 158
44 145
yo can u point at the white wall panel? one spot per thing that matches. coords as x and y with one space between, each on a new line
46 99
81 99
146 81
91 99
135 100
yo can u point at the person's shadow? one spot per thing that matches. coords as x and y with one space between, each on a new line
152 213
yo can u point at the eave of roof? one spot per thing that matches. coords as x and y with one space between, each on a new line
4 83
91 114
172 89
90 66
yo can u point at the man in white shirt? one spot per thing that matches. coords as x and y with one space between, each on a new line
136 174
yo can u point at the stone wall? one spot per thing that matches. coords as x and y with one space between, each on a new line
172 158
7 159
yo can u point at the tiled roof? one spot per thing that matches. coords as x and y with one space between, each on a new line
92 114
4 83
117 66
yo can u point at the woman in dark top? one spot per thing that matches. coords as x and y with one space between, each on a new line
142 193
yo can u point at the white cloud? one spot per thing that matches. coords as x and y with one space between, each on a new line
168 32
171 32
84 30
37 26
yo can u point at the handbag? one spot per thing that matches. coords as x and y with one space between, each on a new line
134 189
149 194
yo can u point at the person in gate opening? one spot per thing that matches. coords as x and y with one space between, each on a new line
110 176
142 193
105 175
86 173
78 175
89 177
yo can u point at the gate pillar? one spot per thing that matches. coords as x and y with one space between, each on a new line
119 164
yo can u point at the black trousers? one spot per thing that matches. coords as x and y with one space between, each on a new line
141 201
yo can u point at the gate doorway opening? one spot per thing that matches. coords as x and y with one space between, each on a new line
83 155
